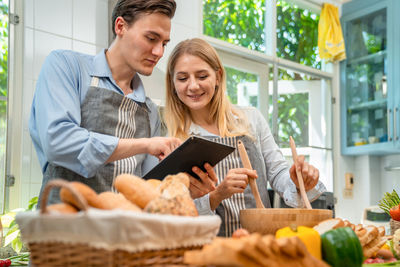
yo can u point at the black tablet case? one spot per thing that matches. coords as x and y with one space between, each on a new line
195 151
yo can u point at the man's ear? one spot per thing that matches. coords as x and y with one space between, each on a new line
119 26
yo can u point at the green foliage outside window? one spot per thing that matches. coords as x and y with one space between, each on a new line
3 49
242 22
3 74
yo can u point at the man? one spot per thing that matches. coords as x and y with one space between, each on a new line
90 117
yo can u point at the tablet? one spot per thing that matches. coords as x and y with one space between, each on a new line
195 151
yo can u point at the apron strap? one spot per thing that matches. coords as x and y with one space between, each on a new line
94 81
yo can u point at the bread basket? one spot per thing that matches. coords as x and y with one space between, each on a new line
95 237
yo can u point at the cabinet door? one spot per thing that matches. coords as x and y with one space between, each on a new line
396 73
366 77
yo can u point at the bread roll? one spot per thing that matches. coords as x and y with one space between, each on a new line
180 177
135 189
179 205
87 193
110 201
154 183
62 208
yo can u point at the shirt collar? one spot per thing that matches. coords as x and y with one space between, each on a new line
195 129
100 65
101 69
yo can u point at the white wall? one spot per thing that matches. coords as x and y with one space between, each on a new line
46 25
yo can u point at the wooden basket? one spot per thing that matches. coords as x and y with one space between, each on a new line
268 221
394 225
73 255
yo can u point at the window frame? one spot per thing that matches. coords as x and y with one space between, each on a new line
241 56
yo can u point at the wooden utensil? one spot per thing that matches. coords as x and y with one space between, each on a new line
252 181
299 176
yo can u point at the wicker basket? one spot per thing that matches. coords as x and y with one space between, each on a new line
394 225
77 254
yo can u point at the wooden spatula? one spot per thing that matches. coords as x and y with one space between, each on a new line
252 181
299 176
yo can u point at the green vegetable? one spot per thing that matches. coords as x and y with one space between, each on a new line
396 263
389 201
341 248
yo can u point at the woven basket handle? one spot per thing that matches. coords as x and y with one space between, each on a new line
82 203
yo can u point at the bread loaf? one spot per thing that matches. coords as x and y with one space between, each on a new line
110 201
62 208
179 205
254 250
135 189
180 177
154 183
87 193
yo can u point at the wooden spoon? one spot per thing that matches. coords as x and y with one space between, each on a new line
299 176
252 181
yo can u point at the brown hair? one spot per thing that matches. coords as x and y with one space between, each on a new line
130 10
230 120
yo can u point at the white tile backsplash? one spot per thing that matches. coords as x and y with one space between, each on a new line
84 47
188 13
44 44
35 169
28 12
25 193
54 16
27 97
28 53
90 21
34 190
26 157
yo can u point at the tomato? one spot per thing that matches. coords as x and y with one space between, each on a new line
369 260
395 213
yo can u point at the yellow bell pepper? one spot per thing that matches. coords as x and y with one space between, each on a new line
309 236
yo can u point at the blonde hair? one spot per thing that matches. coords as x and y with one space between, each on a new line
230 121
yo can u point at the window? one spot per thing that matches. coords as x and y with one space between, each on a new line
240 22
3 95
297 34
242 87
280 38
307 122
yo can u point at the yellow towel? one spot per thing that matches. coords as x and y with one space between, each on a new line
330 37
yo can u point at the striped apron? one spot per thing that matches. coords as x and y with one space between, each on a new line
229 208
106 112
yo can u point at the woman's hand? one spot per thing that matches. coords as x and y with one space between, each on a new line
207 184
309 172
234 182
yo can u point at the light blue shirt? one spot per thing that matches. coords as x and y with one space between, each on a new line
55 119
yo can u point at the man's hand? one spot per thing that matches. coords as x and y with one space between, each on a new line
206 184
160 147
309 172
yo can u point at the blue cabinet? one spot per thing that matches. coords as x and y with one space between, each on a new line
370 78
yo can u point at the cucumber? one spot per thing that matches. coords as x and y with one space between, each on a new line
341 247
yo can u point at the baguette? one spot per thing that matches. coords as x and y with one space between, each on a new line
135 189
88 193
110 201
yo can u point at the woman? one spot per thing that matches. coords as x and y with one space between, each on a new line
196 104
